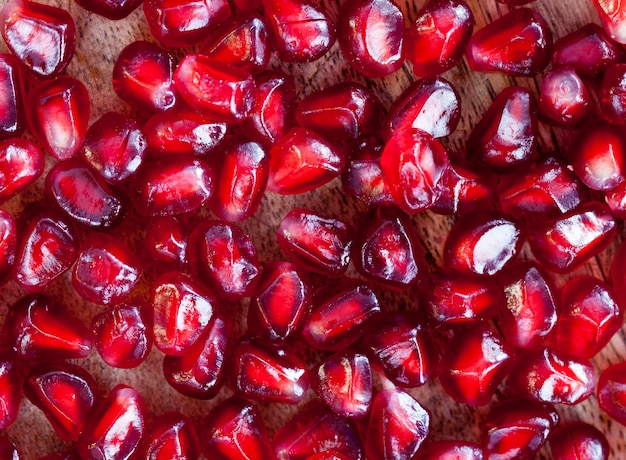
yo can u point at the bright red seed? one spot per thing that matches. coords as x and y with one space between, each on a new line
579 441
10 390
171 435
12 121
21 163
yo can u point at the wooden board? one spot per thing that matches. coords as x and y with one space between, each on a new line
100 41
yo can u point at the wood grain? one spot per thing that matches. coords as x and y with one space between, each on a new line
99 43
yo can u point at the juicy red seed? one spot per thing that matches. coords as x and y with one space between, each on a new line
215 88
12 121
65 393
451 450
612 392
474 364
518 43
118 9
10 391
114 146
235 430
171 186
345 111
64 454
617 274
59 115
183 311
616 201
21 163
613 17
280 303
371 36
43 37
316 243
198 373
166 243
564 98
302 161
184 23
171 436
430 104
269 373
437 38
8 450
300 31
340 315
564 243
397 427
552 377
123 334
344 383
40 330
579 441
387 249
115 427
327 455
482 243
414 163
8 244
505 136
242 41
613 94
83 196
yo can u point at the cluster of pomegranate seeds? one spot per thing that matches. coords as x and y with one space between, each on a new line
298 230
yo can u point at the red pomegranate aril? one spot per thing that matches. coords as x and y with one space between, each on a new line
59 115
451 450
340 315
242 176
183 23
123 334
8 450
199 372
115 427
387 249
564 98
515 429
397 427
613 94
315 429
48 248
39 330
328 455
612 392
65 393
171 186
172 435
110 9
301 161
482 243
518 44
12 121
217 89
437 38
245 5
10 390
613 16
269 373
65 454
579 441
552 377
299 30
344 383
83 196
280 303
43 37
430 104
242 41
617 275
166 243
474 364
402 346
21 163
413 164
566 242
616 201
8 244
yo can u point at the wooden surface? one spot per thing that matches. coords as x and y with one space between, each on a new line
100 41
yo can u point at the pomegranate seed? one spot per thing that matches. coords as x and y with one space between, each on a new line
518 43
387 249
65 393
302 161
182 23
114 10
114 427
166 243
340 315
280 303
613 94
8 450
474 364
438 36
21 163
43 37
12 120
235 430
123 334
244 5
183 311
269 373
59 116
65 454
404 349
612 392
40 330
199 372
171 436
616 201
451 450
8 244
552 377
10 390
371 36
300 31
344 383
616 275
328 455
613 16
579 441
564 98
397 426
218 89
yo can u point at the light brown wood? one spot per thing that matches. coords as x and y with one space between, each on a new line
99 42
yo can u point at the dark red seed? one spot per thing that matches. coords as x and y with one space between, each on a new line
8 450
564 98
64 454
21 163
171 436
12 121
451 450
10 390
613 17
613 94
616 201
166 243
328 455
612 392
114 10
579 441
8 244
